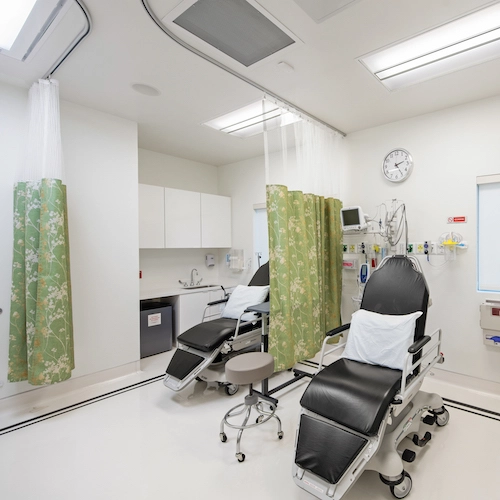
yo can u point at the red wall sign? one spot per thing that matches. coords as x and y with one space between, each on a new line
457 220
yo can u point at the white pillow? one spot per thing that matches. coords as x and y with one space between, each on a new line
380 339
242 297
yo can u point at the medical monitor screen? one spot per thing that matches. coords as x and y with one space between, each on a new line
352 219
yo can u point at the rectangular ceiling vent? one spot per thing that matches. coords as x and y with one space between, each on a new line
241 29
321 10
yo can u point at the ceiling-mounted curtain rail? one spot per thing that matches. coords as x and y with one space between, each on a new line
181 42
76 42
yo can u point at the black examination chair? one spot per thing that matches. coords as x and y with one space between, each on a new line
203 350
357 411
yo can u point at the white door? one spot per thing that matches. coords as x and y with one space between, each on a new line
182 219
215 221
151 217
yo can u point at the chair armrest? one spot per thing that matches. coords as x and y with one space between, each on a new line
221 301
416 346
259 308
338 330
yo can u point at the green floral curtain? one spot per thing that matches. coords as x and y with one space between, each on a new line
41 327
305 257
41 332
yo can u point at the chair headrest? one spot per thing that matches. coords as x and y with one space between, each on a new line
261 276
397 288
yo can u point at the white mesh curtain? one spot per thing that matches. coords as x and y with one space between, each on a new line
304 164
41 328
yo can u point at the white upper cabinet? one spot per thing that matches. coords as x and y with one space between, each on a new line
174 218
182 219
151 216
215 221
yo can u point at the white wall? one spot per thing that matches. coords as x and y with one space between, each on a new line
159 169
163 268
100 154
450 148
245 182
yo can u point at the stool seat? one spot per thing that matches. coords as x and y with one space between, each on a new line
249 368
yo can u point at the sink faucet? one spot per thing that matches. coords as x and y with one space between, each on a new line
192 276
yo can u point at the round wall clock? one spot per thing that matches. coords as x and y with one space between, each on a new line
397 165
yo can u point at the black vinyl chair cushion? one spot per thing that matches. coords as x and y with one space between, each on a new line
326 450
353 394
209 335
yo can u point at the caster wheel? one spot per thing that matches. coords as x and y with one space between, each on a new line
231 389
443 418
280 435
259 419
403 489
198 379
240 457
223 437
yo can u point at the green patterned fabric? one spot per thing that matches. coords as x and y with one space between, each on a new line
41 326
305 266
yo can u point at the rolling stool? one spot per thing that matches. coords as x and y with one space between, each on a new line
244 369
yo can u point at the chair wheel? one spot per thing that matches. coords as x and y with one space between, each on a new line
403 489
443 418
223 437
231 389
280 435
240 457
259 419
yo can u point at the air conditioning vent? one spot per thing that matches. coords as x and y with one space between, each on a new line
240 29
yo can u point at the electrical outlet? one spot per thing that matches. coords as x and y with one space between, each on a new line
344 248
440 249
410 248
352 248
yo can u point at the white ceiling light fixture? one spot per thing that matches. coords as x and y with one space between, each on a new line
13 15
459 44
145 89
253 119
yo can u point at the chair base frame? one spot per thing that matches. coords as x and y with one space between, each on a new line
380 452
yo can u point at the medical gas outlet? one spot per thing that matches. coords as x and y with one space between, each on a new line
490 322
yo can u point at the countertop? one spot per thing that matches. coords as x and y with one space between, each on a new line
172 291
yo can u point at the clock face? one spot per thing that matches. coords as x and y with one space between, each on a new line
397 165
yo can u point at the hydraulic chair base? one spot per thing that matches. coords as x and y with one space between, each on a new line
333 476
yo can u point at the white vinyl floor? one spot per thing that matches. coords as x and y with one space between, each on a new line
149 443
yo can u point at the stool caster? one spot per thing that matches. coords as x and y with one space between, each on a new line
280 435
240 457
223 437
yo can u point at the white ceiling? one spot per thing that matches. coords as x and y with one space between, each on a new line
125 46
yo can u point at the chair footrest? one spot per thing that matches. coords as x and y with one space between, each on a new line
326 450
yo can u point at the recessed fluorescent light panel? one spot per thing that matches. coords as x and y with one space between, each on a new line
253 119
13 15
241 29
459 44
23 23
